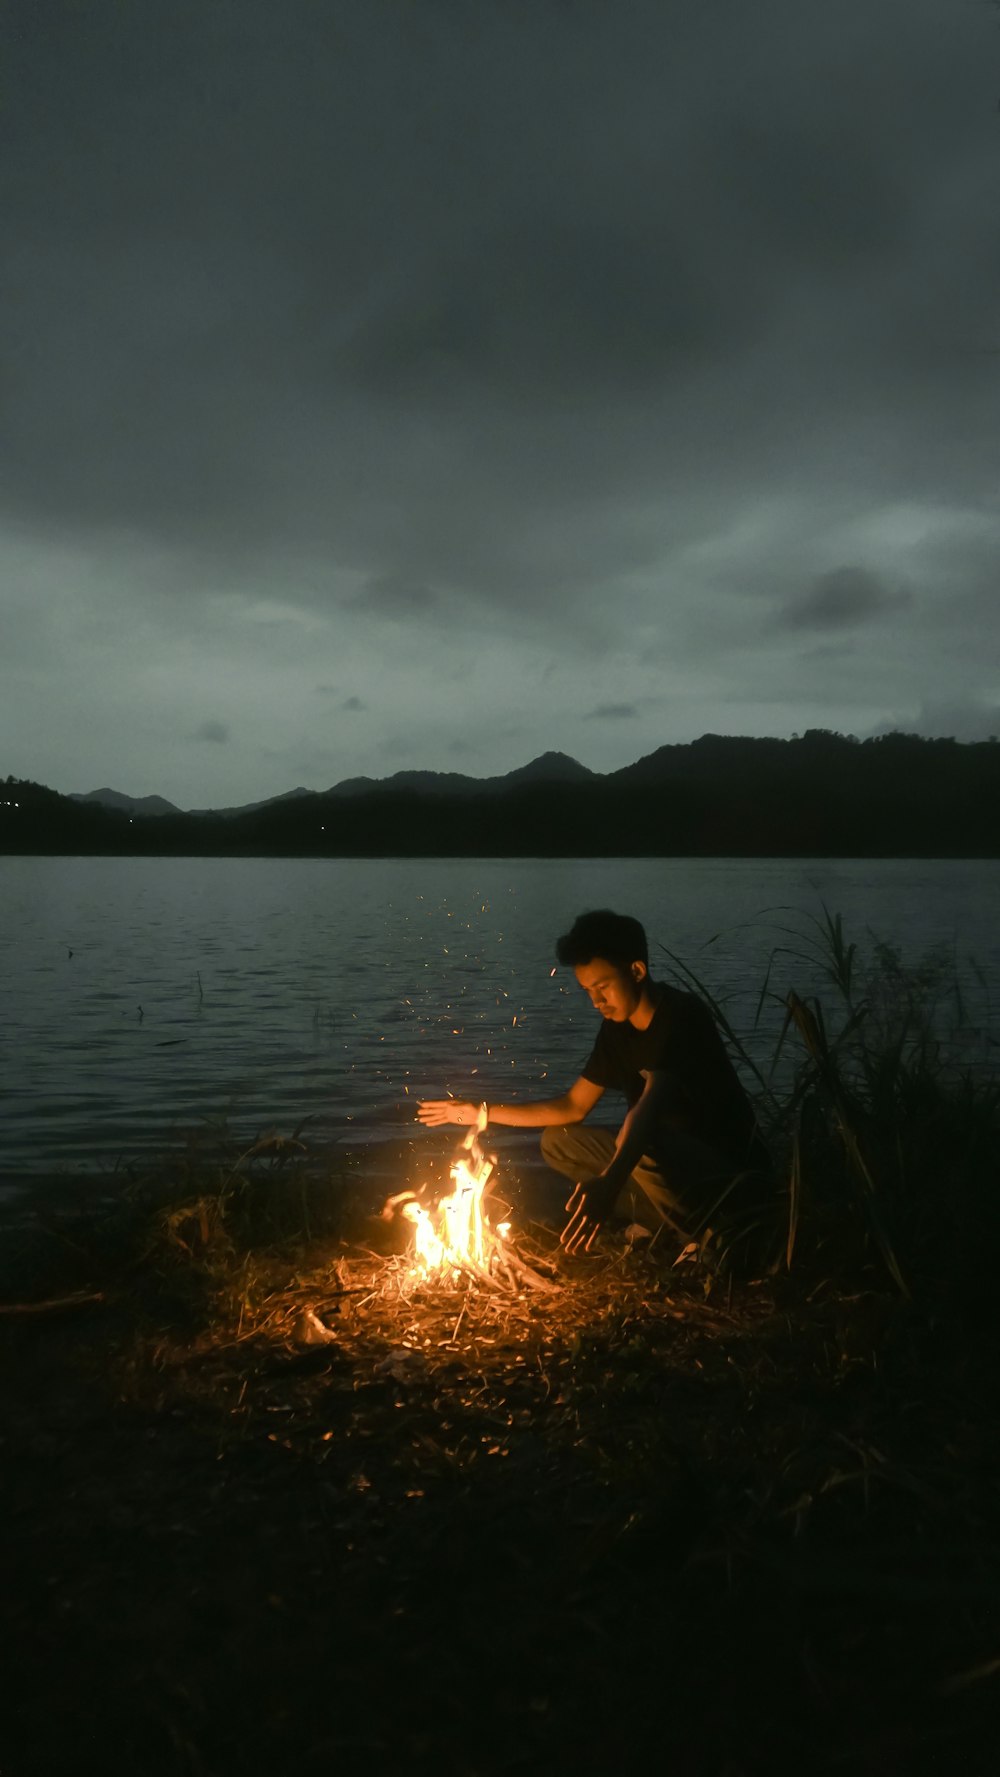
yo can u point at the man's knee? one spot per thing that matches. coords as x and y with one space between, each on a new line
577 1152
552 1143
565 1148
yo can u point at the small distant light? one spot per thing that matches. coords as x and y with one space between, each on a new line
551 973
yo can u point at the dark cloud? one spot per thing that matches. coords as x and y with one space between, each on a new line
812 193
393 596
842 599
353 704
546 306
217 732
829 651
425 345
964 719
232 334
612 712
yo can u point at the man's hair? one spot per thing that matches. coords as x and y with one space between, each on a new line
603 933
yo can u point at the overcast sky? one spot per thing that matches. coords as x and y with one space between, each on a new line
431 383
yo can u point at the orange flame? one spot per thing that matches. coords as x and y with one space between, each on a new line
457 1235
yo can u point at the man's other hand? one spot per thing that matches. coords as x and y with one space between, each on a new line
435 1111
589 1206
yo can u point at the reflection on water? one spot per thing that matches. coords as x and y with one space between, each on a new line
141 996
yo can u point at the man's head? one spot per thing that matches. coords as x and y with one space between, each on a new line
609 956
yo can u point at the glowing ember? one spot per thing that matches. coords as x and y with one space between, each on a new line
456 1235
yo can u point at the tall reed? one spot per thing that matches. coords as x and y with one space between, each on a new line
880 1105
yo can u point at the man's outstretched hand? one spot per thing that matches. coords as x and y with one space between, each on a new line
435 1111
589 1206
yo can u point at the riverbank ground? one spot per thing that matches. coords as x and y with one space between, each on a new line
273 1507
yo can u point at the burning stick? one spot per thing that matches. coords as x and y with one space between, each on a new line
457 1236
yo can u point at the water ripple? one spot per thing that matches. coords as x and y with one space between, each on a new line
268 990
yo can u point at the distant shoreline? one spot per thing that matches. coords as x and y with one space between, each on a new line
991 856
821 796
382 1160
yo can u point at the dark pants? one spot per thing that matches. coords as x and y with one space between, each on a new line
678 1183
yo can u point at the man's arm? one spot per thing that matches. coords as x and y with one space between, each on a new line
633 1137
572 1107
593 1198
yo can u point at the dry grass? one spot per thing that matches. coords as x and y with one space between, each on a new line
310 1511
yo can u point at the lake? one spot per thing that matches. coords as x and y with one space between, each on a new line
145 997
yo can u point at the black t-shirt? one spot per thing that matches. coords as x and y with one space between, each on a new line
704 1098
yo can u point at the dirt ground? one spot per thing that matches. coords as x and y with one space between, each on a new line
619 1525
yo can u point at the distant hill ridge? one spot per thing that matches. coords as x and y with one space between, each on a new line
126 804
252 807
547 768
822 796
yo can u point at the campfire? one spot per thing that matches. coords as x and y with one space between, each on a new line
456 1239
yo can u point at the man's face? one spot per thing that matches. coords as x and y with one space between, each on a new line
614 992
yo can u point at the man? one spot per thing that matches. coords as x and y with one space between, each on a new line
689 1126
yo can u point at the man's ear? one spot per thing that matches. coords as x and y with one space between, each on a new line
639 971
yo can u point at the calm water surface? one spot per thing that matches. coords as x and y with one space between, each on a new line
143 997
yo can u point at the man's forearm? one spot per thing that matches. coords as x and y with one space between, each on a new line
540 1115
631 1141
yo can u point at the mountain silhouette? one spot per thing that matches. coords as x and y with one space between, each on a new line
252 807
824 795
547 768
154 805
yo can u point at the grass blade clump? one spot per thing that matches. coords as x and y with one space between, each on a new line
883 1122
